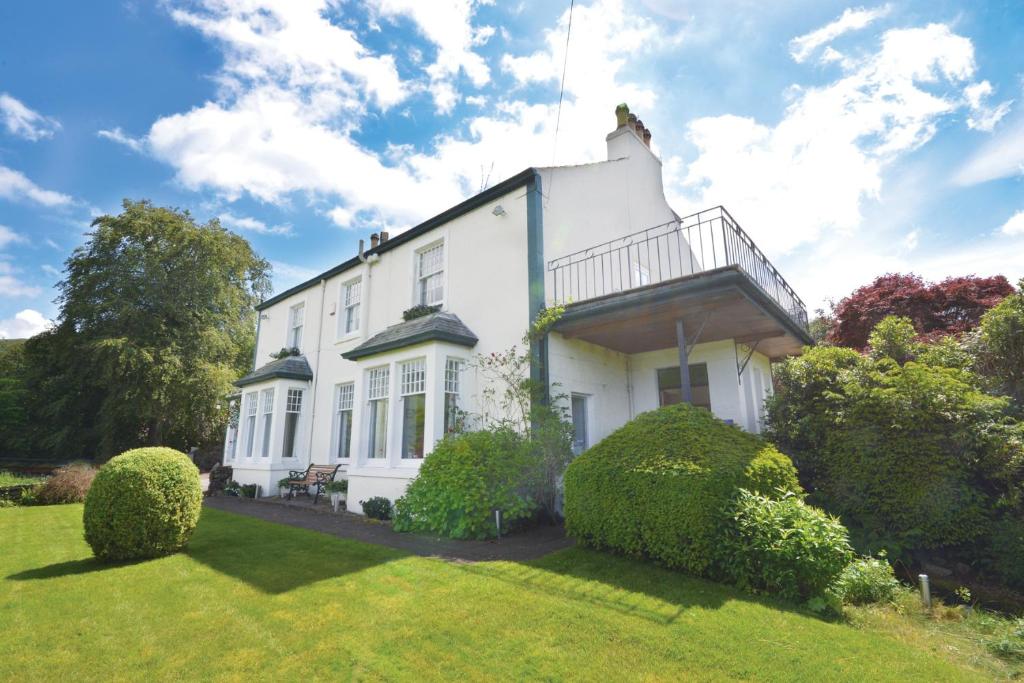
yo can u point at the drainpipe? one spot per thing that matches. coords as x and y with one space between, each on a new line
316 373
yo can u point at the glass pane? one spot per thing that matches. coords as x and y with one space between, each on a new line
344 434
670 386
414 412
266 435
451 413
579 424
291 422
378 428
250 435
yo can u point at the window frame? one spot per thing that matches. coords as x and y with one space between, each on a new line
266 420
378 403
675 368
452 386
290 408
419 291
344 306
413 383
344 402
251 408
294 342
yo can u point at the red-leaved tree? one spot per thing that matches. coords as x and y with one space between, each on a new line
949 307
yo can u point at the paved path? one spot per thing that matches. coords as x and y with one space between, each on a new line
527 545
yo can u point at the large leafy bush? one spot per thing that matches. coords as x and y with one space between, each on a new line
912 456
867 580
69 484
783 547
143 503
660 485
464 480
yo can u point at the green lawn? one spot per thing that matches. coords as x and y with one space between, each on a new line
16 479
256 600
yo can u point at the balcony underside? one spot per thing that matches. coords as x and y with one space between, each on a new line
714 305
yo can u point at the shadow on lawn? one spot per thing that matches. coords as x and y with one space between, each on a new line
274 558
69 568
631 587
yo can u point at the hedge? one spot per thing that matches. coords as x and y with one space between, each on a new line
660 486
143 503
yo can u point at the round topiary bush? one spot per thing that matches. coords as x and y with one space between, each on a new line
660 485
143 503
463 481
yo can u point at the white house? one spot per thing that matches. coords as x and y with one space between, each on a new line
659 308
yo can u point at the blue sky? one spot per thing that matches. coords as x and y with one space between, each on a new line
848 140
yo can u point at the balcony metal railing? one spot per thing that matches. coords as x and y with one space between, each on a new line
697 243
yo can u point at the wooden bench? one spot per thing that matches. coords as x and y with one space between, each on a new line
314 475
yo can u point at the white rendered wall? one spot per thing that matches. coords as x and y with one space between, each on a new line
578 367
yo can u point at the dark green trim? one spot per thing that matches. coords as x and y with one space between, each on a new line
283 374
429 335
474 202
539 374
256 345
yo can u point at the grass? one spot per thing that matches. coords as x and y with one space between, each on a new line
251 599
16 479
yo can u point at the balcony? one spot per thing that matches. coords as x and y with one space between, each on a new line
702 270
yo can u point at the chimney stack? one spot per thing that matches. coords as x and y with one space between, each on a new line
629 131
374 241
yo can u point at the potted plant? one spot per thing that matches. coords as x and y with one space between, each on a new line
338 491
282 486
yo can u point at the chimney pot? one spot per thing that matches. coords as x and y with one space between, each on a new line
621 115
374 240
647 137
639 127
383 236
631 120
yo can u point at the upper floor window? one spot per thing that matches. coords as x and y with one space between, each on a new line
295 317
351 296
292 409
430 275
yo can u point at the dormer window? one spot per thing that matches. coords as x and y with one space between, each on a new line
430 275
295 317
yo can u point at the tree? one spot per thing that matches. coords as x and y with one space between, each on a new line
952 306
156 320
13 418
1001 345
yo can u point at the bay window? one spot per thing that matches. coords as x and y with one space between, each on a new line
452 369
377 411
414 408
250 423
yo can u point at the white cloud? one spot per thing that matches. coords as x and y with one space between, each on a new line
24 122
53 245
1000 157
1015 225
24 324
51 270
248 224
8 236
12 286
14 185
984 117
448 24
119 136
341 216
911 240
810 173
801 47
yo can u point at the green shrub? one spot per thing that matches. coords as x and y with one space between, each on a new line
784 547
867 580
377 507
143 503
463 481
69 484
658 486
1007 549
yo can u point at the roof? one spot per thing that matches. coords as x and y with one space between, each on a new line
474 202
289 367
434 327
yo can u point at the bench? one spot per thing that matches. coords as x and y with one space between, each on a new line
314 475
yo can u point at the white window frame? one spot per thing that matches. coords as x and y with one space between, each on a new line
419 295
453 369
250 404
296 313
344 402
378 388
413 382
345 305
292 407
266 420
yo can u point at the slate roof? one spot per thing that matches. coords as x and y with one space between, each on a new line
289 367
434 327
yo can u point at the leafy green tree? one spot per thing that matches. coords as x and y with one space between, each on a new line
893 337
13 417
156 320
1001 345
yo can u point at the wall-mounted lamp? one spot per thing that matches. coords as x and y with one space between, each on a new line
499 210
